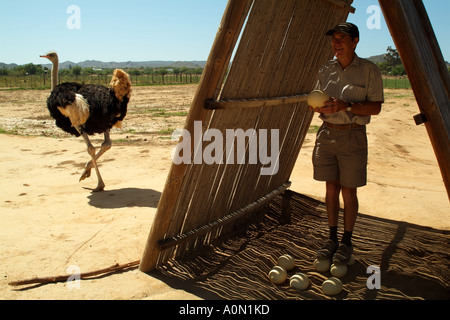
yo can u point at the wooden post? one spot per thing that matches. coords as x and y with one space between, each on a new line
209 86
416 43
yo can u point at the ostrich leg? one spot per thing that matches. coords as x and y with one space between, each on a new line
106 145
91 151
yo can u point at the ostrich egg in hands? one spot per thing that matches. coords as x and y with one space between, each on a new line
317 98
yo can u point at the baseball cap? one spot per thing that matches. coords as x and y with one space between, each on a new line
347 28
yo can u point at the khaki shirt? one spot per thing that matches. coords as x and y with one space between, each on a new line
359 82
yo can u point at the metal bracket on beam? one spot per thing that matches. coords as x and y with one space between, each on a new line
420 118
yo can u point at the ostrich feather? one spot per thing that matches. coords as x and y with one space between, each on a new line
77 112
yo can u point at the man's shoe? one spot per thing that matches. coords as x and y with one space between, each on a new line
328 249
343 254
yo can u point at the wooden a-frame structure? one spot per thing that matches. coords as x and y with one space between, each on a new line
281 47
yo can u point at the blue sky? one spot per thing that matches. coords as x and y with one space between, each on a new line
140 30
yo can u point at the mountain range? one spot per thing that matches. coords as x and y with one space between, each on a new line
146 64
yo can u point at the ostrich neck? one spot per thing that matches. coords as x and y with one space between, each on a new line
55 74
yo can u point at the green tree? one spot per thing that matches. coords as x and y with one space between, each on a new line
134 72
76 71
87 71
392 58
392 64
398 70
32 68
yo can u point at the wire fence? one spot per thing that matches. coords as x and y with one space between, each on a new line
44 81
396 83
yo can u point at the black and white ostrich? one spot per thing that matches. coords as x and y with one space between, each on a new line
86 109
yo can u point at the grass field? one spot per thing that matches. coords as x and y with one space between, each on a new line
394 83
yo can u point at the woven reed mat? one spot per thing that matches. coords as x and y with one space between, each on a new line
414 260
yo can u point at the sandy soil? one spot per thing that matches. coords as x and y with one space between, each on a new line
50 221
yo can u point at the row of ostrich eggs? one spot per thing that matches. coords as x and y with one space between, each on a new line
300 281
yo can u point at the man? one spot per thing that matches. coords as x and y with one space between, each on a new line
340 153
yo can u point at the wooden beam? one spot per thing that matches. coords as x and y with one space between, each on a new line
254 103
343 4
434 45
208 88
416 43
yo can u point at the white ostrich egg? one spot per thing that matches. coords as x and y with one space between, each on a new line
322 265
287 262
338 270
332 286
299 281
317 98
278 275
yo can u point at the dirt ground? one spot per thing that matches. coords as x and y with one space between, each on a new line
50 221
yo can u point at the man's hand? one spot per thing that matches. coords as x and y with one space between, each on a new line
332 106
366 108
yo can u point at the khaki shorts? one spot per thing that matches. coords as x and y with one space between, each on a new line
341 155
